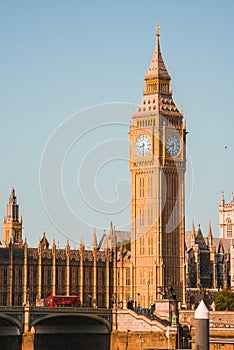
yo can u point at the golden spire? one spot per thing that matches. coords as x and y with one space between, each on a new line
157 78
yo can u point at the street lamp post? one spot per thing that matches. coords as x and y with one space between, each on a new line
127 339
138 300
141 341
148 284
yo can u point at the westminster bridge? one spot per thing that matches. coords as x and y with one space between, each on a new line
43 328
36 328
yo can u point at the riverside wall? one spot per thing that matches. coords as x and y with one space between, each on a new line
131 331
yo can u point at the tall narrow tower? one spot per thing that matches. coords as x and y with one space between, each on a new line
157 166
226 218
12 223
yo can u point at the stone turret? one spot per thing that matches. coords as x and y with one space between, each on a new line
226 218
12 223
44 242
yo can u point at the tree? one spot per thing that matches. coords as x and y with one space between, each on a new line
224 300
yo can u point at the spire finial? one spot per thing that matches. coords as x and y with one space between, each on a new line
182 108
157 28
94 242
222 197
209 230
193 227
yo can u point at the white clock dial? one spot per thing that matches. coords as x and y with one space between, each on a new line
143 145
173 145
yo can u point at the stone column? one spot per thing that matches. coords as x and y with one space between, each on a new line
121 275
95 286
39 273
10 274
27 336
28 341
81 273
25 273
94 296
54 269
115 287
107 278
67 269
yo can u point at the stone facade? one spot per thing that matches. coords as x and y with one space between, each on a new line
226 218
31 274
209 262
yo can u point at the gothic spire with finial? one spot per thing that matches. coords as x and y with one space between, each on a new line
210 235
193 234
157 95
222 201
12 198
94 241
157 68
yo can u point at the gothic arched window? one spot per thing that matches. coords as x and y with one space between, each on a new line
229 228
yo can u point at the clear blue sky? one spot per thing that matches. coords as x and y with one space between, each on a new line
59 57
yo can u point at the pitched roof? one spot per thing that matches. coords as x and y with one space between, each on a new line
44 241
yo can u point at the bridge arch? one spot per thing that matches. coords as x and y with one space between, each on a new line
71 331
10 325
11 329
82 317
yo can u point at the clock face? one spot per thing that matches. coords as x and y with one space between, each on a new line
173 145
143 145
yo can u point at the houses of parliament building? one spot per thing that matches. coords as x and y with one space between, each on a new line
160 260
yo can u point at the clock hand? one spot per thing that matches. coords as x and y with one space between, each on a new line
172 145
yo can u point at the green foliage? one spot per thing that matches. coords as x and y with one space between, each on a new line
224 300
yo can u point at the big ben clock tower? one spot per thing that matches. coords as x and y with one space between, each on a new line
157 166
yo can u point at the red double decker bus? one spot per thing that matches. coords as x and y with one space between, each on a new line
63 301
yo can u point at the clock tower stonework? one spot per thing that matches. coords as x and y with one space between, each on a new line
157 166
